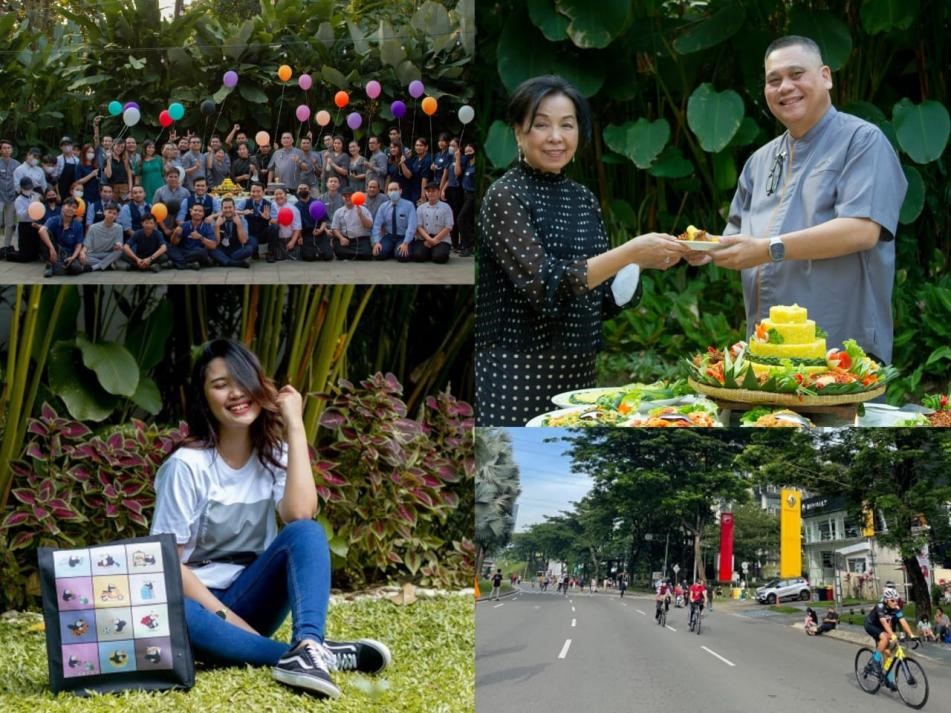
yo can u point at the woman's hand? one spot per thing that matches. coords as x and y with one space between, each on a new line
291 404
656 250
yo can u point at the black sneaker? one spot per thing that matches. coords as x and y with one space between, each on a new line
244 263
193 265
363 655
307 667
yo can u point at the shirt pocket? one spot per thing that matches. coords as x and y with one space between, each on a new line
819 194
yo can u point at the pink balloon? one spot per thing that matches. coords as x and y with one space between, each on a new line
373 89
230 79
305 82
354 120
323 117
416 89
303 112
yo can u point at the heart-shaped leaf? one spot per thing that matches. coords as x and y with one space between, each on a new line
544 16
828 31
147 396
914 198
922 129
671 164
595 25
500 146
881 15
640 141
714 116
711 31
85 399
114 365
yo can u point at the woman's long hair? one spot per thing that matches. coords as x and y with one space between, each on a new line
246 370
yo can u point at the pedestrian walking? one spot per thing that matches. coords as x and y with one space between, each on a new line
496 585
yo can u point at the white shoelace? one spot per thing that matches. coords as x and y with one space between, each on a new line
322 655
346 661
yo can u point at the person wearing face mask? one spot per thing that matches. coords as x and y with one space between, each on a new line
394 226
8 194
314 240
66 168
29 247
451 189
467 176
30 168
51 201
87 175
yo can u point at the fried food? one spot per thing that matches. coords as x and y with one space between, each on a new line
694 234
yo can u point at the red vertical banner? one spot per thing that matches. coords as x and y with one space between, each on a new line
726 547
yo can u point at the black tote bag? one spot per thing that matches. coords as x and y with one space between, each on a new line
115 617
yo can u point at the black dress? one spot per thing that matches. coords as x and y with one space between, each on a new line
538 326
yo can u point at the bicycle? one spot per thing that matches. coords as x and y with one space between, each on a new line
662 613
696 617
899 672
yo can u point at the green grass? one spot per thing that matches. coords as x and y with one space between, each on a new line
433 669
786 610
485 587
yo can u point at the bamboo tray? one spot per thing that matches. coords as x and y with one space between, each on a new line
772 398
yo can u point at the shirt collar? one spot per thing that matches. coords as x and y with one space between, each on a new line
817 130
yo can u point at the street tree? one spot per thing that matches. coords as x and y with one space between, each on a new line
496 490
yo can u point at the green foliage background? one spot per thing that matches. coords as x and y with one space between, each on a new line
677 94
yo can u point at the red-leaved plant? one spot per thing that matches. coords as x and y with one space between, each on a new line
396 493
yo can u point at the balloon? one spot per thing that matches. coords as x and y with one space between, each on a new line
341 99
429 106
262 138
285 216
176 110
466 113
208 107
131 116
284 72
81 208
317 210
230 79
373 89
164 118
131 104
160 211
398 109
359 198
303 113
115 108
37 210
305 82
354 120
416 89
323 117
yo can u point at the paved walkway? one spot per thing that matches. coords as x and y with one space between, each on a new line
458 271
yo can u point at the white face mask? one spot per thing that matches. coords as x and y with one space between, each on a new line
77 194
31 161
394 196
90 155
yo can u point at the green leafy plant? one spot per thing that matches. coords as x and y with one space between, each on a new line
389 485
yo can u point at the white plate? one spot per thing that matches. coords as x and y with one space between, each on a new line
645 407
701 244
539 421
564 399
882 415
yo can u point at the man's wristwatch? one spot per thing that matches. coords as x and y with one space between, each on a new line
777 249
222 613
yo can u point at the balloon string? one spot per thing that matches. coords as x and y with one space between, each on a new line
412 131
280 105
204 132
161 131
220 110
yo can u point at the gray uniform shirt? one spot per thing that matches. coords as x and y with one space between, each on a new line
434 218
843 167
284 167
376 168
187 161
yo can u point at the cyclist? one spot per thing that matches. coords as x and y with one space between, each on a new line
664 591
880 625
678 595
697 594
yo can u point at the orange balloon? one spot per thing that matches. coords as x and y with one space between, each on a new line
341 99
81 208
160 211
359 198
429 106
284 72
323 117
36 210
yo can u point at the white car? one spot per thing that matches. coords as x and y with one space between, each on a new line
778 589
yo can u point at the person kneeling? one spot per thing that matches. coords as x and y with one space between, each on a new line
351 229
433 231
394 226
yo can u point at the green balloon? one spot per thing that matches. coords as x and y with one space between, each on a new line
176 111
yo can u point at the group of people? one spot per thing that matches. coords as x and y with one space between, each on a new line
812 222
696 596
98 202
814 627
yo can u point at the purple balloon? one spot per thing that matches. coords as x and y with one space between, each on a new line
354 120
305 82
132 104
416 89
230 79
303 112
398 109
318 210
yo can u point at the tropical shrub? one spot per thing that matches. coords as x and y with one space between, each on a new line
677 94
389 486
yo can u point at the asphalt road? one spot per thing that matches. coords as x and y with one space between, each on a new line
547 653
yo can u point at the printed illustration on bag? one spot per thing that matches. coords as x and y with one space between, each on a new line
113 611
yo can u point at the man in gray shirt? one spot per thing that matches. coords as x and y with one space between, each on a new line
193 161
434 223
103 241
171 195
310 168
814 216
376 163
8 194
287 163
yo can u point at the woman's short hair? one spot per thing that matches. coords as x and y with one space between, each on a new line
524 102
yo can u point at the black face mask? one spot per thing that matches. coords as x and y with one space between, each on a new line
303 195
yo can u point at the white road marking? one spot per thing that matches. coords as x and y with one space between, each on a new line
573 622
536 607
640 612
670 627
498 605
514 599
564 649
623 604
714 653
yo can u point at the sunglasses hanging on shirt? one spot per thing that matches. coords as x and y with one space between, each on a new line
775 173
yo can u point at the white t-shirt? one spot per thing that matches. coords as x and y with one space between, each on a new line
216 512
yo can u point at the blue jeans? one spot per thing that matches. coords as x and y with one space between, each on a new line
293 574
389 244
245 252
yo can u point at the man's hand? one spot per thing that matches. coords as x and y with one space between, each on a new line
236 127
52 255
403 249
377 247
344 241
742 251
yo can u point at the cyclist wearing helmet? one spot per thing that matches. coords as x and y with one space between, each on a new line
879 624
663 597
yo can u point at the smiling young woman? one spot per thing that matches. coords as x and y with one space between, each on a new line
245 456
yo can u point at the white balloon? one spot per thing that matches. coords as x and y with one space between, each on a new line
466 113
131 116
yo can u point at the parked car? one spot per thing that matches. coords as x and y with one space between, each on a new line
778 589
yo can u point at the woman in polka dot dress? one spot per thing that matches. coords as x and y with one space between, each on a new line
545 270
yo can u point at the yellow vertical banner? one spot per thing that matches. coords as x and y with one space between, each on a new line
868 521
790 534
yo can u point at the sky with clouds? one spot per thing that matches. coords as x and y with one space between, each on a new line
548 485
